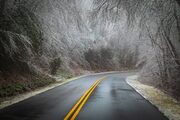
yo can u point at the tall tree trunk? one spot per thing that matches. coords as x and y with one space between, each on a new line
177 21
178 1
2 6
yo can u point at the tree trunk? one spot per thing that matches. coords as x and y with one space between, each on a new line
2 6
177 21
178 1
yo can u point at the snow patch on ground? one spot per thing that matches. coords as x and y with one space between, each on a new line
165 103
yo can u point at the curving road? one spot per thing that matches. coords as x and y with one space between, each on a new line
110 98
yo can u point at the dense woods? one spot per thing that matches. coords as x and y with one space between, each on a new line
39 37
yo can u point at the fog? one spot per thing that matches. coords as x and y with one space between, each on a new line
42 36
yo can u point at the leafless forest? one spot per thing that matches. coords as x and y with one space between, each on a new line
39 37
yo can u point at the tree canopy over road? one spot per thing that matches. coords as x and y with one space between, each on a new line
42 37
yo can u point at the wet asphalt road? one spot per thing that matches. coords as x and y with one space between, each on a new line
113 99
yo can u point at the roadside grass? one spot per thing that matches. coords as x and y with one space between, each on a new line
64 74
36 86
18 86
12 88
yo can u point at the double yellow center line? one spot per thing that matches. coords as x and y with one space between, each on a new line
77 107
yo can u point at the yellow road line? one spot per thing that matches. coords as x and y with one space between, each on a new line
84 101
81 100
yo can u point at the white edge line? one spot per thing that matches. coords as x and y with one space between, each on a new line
158 108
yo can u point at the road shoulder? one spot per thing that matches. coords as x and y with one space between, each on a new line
15 99
165 103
